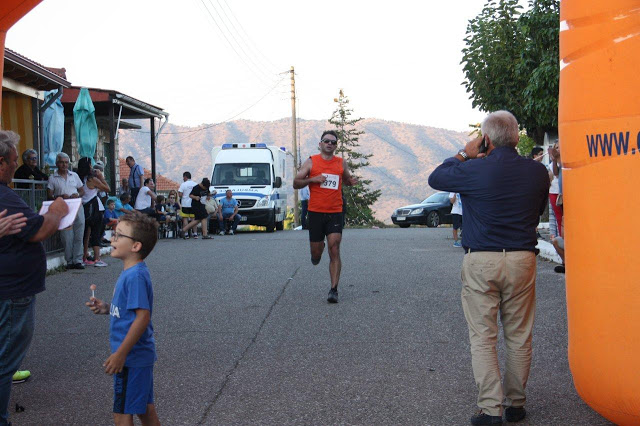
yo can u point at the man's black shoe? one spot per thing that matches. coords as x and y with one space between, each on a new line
333 296
314 262
514 414
559 269
481 418
78 266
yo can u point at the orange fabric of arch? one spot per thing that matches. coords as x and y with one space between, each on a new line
599 132
11 11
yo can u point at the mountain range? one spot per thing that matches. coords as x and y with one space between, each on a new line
403 154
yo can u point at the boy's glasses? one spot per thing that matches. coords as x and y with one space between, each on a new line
117 235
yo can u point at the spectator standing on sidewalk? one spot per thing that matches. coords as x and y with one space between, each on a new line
185 201
456 216
555 198
66 184
504 195
198 195
93 210
23 265
136 178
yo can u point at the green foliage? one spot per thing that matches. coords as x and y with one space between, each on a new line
511 62
525 145
359 198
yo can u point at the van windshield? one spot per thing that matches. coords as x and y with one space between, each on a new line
241 174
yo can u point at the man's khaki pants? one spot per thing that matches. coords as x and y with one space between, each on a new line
502 282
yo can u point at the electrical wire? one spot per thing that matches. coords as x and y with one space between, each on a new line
270 76
275 68
231 44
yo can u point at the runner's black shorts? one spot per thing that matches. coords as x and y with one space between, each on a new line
323 224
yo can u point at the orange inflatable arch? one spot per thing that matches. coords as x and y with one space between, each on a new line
599 126
599 132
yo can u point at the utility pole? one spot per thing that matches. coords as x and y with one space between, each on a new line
295 146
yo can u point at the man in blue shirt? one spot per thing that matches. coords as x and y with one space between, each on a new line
23 265
229 207
504 195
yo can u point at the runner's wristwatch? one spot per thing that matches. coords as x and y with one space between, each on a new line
463 154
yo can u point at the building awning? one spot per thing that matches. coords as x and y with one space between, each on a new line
23 70
104 99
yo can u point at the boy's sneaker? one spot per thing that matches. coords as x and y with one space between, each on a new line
100 264
333 296
559 269
230 232
21 376
481 418
514 414
195 237
457 244
221 233
88 262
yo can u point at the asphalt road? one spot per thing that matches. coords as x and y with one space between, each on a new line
245 336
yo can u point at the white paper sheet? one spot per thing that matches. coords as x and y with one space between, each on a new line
74 205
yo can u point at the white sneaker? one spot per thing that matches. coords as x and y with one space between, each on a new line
230 232
221 233
100 264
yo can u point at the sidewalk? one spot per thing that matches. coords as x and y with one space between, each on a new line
56 260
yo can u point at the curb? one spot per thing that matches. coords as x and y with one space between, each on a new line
57 260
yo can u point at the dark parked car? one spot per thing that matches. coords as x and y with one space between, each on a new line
433 211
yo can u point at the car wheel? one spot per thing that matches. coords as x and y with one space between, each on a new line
433 219
404 225
271 226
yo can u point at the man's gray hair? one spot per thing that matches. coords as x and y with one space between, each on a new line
27 153
62 155
502 129
8 140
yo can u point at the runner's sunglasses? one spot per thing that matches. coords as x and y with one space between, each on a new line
329 141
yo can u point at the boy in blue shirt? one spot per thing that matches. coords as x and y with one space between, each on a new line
133 351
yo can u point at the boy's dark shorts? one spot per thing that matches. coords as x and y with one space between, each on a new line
323 224
133 390
456 220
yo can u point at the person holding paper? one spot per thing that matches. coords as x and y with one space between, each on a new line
23 265
66 184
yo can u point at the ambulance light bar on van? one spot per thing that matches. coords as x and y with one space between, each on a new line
243 145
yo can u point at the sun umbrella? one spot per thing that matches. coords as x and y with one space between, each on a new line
84 120
53 130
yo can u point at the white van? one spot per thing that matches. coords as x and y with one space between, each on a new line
255 173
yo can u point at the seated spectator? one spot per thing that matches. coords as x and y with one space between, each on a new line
173 206
161 209
124 187
110 218
198 195
29 169
145 198
229 212
122 204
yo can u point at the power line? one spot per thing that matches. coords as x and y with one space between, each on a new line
236 40
231 44
160 148
275 68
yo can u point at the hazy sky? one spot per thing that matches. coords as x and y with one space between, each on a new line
397 61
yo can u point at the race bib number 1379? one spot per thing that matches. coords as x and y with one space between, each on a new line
332 181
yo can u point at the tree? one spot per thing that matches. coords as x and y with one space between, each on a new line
359 198
511 62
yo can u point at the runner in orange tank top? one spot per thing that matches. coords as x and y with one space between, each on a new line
325 174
